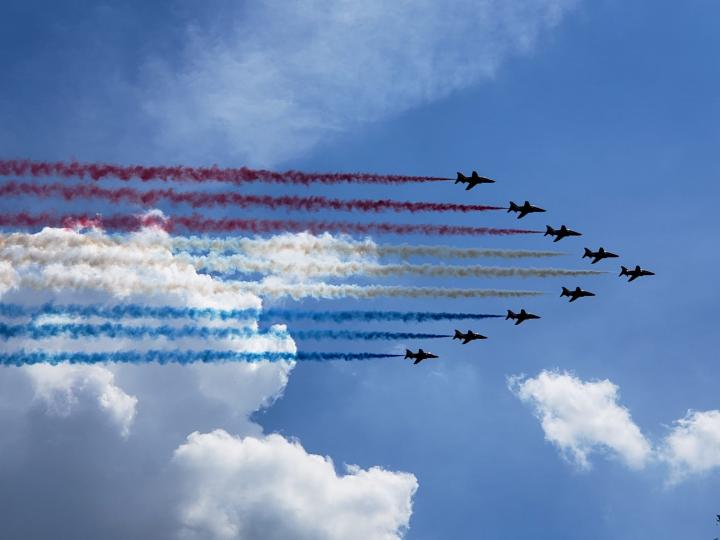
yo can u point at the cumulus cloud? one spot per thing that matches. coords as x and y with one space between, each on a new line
693 445
271 488
579 417
61 388
289 74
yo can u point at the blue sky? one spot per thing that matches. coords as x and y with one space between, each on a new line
608 119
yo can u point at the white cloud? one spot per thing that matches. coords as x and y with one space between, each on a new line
291 73
271 488
62 387
579 417
693 446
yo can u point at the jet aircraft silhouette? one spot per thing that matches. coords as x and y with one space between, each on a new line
467 338
524 209
636 273
577 293
418 356
520 317
598 255
473 181
560 233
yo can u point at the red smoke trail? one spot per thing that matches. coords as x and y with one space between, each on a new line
98 171
199 199
257 226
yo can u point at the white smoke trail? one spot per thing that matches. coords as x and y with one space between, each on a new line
66 250
308 244
116 279
239 263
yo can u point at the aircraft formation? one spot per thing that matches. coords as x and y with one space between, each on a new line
558 234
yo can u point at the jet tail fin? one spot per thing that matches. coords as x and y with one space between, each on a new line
549 231
588 253
460 178
513 207
408 353
623 271
458 335
510 315
565 292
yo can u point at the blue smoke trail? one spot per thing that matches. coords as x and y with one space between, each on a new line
126 311
76 331
140 311
177 357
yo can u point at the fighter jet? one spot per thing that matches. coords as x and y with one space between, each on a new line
467 338
520 317
598 255
524 209
634 274
577 293
418 356
561 233
473 181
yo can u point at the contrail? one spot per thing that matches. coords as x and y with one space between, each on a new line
203 199
77 331
257 226
137 311
241 264
242 175
177 357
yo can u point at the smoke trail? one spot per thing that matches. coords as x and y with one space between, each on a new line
372 316
176 357
241 264
234 264
324 290
77 331
352 334
133 311
256 226
137 311
301 243
309 245
99 171
64 277
201 199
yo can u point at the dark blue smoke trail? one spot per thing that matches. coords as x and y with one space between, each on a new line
176 357
352 334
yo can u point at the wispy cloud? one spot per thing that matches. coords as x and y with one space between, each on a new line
290 74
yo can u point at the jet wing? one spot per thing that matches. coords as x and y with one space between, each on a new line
522 214
467 340
470 185
632 277
418 361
